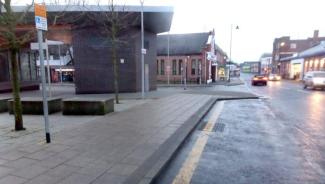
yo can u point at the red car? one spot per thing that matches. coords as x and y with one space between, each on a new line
259 80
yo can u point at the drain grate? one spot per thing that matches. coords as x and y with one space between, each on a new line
219 127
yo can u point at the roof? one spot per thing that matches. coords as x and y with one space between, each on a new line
317 50
219 49
182 44
157 19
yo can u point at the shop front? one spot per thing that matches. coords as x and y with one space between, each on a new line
296 72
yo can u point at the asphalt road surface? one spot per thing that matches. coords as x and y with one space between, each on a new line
279 138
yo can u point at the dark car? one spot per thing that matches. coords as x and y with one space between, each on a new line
259 80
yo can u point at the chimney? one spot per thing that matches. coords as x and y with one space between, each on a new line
316 32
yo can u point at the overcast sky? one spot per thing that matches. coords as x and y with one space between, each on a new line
259 21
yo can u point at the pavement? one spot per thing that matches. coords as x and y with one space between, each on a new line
278 138
132 145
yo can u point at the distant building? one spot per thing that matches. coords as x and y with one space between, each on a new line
251 67
191 57
266 63
285 47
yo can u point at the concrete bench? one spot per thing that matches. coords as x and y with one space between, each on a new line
87 106
34 105
3 104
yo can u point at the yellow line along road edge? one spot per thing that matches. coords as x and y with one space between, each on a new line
186 172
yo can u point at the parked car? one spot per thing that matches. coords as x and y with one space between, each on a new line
259 80
315 79
274 77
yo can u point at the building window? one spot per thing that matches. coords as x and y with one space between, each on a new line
157 67
162 67
180 65
293 46
200 66
194 67
174 67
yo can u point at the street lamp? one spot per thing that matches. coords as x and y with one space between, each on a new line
231 28
143 51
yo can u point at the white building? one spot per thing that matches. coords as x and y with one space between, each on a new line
266 63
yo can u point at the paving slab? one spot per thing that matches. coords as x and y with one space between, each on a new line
132 145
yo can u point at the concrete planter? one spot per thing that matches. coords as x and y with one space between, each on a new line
34 105
3 104
87 106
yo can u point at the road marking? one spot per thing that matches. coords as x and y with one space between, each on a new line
186 172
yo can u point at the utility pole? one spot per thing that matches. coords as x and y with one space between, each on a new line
230 53
231 28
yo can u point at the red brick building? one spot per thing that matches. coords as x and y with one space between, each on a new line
192 57
285 47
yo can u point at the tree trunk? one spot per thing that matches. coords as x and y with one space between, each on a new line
116 76
16 90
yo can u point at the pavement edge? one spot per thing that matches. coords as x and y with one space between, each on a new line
148 172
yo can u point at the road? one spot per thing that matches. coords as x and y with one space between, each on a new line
279 138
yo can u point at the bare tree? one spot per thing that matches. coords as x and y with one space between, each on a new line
12 40
115 21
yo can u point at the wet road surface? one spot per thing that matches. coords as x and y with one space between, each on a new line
276 139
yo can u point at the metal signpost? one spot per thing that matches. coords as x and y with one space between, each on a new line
41 25
48 68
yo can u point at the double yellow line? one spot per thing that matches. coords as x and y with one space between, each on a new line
186 172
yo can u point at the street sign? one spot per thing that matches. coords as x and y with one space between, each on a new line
40 17
41 25
144 51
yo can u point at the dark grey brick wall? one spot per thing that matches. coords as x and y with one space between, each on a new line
150 58
94 68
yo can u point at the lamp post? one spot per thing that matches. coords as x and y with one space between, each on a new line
231 28
142 50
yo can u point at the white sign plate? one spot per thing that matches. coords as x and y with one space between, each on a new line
41 23
144 51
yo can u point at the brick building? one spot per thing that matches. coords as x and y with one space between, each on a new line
311 59
192 57
285 47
